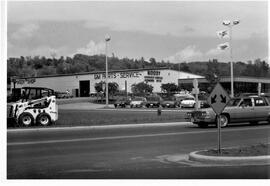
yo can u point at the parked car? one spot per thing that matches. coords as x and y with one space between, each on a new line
138 102
169 102
153 101
180 97
245 109
63 95
188 103
122 102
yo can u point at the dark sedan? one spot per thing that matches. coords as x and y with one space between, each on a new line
169 102
246 109
122 102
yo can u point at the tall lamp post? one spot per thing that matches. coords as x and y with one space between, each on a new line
107 39
230 25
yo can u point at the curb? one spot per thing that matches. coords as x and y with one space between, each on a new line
194 156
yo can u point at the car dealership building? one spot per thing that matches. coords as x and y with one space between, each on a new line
83 84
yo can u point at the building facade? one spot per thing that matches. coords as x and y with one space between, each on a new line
241 84
83 84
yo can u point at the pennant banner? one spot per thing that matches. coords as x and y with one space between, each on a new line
223 46
223 34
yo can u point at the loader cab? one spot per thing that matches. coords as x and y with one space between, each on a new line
31 93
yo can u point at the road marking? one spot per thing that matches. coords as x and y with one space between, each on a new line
127 137
103 127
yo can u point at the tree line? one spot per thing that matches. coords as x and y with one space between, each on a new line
39 66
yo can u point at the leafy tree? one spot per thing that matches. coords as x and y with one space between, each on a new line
169 88
213 73
141 88
112 88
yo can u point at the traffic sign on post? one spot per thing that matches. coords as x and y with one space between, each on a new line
218 99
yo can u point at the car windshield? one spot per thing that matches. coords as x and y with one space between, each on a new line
233 102
138 99
169 99
189 99
121 99
153 98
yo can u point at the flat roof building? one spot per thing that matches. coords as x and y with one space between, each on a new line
83 84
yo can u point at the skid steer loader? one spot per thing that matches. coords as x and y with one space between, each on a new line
36 106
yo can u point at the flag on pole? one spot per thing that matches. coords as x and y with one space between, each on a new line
236 22
223 46
226 22
222 33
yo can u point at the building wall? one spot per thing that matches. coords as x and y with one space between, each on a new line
154 77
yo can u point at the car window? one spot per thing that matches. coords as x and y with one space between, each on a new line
259 102
233 102
189 99
138 99
246 103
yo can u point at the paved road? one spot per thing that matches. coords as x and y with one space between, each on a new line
127 152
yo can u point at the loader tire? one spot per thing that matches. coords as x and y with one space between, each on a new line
26 120
43 119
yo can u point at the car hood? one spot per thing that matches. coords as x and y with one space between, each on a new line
136 102
188 102
168 102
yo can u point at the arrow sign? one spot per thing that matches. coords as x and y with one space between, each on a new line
218 99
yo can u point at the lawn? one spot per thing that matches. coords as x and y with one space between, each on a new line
253 150
109 117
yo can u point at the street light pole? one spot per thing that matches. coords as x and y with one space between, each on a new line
232 89
107 39
230 25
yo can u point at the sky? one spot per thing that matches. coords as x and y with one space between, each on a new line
175 31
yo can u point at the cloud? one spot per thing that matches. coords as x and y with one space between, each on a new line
214 52
25 31
187 54
48 51
92 48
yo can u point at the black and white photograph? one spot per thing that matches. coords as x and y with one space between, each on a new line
135 90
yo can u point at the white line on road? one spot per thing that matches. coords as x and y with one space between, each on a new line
126 137
103 127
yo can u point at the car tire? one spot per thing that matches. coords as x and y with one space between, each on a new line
43 119
224 120
115 106
26 120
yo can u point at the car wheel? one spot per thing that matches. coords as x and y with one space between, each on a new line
115 106
43 119
224 120
26 119
131 106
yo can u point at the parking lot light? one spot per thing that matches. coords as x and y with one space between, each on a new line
107 39
230 25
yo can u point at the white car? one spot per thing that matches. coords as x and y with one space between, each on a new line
138 102
188 103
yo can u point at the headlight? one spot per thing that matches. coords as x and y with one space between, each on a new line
206 114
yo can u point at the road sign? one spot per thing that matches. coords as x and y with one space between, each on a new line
195 83
218 99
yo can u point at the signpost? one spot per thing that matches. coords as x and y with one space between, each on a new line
195 91
218 100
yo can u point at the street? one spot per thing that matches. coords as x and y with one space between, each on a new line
140 152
